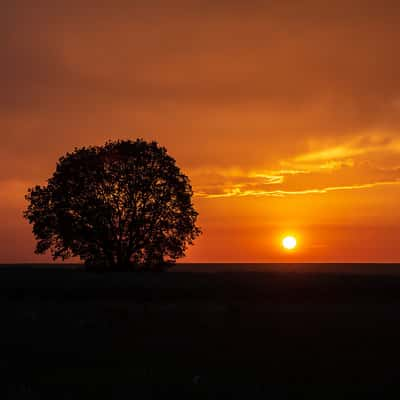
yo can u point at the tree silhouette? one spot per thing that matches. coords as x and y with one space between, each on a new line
122 205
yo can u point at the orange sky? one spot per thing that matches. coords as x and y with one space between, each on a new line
285 114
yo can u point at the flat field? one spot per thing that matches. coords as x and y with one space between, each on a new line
198 331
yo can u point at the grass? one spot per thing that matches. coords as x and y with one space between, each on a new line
233 334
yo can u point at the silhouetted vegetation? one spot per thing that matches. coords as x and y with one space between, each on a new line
122 205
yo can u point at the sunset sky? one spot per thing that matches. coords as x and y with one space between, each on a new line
284 114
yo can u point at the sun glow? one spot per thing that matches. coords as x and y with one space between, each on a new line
289 242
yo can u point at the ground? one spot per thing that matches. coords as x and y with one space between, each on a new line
74 334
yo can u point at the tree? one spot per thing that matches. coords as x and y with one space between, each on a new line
122 205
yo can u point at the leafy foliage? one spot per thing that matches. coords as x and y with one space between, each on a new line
124 204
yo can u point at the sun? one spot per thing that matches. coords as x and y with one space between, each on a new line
289 242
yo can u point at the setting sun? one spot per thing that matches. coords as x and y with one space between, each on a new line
289 242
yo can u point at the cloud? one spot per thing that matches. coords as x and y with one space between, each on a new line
219 83
356 146
237 192
276 56
347 166
251 78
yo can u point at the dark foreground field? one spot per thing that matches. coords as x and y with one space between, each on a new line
73 334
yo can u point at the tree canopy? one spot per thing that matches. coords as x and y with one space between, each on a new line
122 205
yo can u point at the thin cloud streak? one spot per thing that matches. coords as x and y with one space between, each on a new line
237 192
